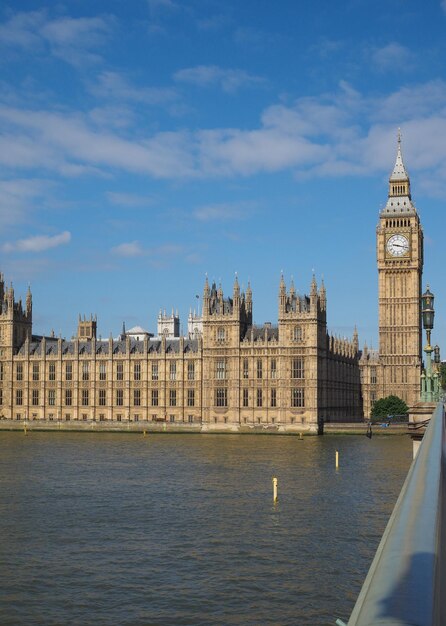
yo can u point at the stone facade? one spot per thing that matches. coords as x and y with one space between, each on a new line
231 376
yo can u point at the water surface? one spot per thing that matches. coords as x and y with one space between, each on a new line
181 530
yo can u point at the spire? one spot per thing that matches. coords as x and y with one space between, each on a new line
206 291
282 288
356 339
399 201
313 286
236 285
249 291
399 172
29 301
323 295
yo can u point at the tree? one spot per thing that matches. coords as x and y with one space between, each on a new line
392 405
443 375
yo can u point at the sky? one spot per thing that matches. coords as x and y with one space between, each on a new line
147 143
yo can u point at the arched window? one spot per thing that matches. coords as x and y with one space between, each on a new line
221 334
297 333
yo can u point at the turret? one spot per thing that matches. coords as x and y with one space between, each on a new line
206 296
313 294
236 293
356 340
282 295
323 296
248 299
29 302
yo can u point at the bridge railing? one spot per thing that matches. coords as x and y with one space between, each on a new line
407 575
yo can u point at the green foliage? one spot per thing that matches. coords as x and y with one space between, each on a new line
443 375
392 405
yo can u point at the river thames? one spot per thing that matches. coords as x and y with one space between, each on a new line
181 529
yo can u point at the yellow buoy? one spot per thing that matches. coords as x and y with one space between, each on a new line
275 496
337 459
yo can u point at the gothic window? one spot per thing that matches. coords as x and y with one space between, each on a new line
85 371
51 397
297 333
172 397
190 419
221 396
19 371
102 397
119 371
85 397
173 372
137 371
154 397
35 397
245 368
119 397
273 398
19 397
259 397
68 397
259 368
155 370
297 397
191 370
191 397
36 371
136 397
102 371
273 368
221 334
52 371
68 371
245 397
297 368
373 375
1 397
220 369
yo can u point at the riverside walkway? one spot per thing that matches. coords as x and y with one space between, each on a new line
406 581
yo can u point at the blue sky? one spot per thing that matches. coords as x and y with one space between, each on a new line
146 143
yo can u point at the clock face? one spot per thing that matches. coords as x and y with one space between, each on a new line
398 245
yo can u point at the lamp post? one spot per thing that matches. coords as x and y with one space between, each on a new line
428 382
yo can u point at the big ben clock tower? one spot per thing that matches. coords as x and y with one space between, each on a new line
400 267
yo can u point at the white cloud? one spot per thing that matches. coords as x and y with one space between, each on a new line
112 86
130 249
336 134
158 256
18 198
392 57
38 243
71 39
228 79
22 30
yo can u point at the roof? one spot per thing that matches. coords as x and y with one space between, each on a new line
118 346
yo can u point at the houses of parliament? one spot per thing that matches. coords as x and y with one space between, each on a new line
226 374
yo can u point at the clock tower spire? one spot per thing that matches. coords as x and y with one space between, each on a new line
400 266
